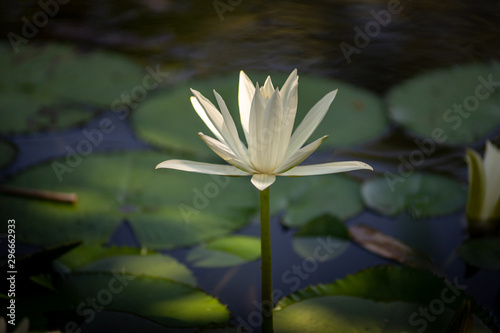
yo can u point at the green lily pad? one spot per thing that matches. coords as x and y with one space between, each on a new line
99 78
351 314
389 247
7 153
225 252
85 254
23 112
455 106
166 208
386 296
421 195
88 258
483 253
323 229
51 87
169 303
169 120
337 195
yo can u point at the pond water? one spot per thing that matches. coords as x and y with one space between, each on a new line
195 40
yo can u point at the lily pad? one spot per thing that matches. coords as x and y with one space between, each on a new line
169 303
337 195
225 252
23 112
459 105
325 228
351 314
85 254
128 260
483 253
168 120
166 208
7 153
56 86
421 195
386 297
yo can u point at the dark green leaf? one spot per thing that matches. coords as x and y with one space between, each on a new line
91 258
389 247
457 103
169 120
7 153
166 208
483 253
226 251
323 229
421 195
337 195
384 297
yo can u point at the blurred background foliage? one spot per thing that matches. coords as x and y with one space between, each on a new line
393 91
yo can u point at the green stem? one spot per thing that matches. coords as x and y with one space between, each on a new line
267 273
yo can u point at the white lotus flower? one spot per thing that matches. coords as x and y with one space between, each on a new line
267 118
484 184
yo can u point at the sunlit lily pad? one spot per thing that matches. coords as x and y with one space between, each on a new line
128 260
55 86
421 195
7 153
226 251
384 296
169 120
337 195
323 229
332 314
460 104
166 208
483 253
169 303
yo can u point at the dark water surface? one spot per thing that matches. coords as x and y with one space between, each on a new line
190 39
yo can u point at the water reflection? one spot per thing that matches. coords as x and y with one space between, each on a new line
401 38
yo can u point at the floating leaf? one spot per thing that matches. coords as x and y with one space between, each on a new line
462 321
483 252
55 86
99 78
226 251
459 105
323 229
169 303
39 261
91 258
165 208
386 297
154 265
421 195
388 247
352 108
331 314
381 284
23 112
337 195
